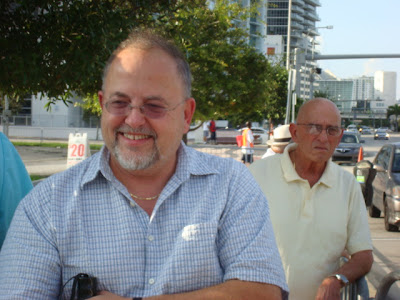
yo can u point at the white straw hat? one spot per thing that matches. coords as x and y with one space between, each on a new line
281 136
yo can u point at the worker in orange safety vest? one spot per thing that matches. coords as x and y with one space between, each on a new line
247 144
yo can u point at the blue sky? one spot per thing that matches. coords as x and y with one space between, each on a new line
360 27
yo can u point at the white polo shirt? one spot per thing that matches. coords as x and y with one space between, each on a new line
312 225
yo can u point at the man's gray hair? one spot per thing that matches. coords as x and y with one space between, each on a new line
147 39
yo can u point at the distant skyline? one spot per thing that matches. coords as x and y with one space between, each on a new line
360 27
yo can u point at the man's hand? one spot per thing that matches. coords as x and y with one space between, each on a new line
329 289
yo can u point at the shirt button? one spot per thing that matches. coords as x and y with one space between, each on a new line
150 238
132 204
151 281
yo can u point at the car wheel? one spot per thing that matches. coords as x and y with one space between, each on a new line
388 226
373 211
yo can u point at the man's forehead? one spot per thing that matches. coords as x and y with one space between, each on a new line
319 112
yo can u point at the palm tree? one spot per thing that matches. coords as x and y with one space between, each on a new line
394 110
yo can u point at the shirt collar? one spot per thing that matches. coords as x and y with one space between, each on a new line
190 162
290 173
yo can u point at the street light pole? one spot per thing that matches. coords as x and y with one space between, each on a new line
311 76
288 35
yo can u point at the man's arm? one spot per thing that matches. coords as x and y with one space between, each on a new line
359 264
231 289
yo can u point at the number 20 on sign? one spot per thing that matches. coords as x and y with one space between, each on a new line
78 148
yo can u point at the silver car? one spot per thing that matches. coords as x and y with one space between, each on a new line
386 186
348 149
381 134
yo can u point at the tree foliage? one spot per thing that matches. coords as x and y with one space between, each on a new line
58 48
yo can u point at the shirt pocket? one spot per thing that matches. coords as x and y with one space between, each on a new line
195 256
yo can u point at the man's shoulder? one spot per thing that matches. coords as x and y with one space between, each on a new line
74 176
267 168
266 163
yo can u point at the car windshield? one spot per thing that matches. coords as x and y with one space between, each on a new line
349 139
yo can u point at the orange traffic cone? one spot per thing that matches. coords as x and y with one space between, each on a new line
360 154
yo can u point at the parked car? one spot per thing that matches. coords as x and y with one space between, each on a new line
348 149
381 134
386 186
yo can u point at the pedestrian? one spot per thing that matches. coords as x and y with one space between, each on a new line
279 141
247 144
317 208
206 125
213 132
15 183
142 216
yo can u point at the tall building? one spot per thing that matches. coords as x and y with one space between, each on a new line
355 97
303 18
385 86
363 88
340 91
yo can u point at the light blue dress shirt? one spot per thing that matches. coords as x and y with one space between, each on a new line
210 224
15 183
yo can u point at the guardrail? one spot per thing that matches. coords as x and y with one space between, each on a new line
385 285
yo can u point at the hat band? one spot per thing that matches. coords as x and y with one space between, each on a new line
283 140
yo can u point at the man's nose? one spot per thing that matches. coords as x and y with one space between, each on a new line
135 117
323 135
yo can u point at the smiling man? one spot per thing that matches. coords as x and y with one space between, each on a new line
147 216
317 208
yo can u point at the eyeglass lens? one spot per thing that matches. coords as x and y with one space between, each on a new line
123 108
316 129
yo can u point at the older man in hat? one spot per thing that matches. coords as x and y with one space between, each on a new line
279 141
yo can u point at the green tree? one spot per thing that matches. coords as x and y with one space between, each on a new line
394 110
323 94
59 47
70 41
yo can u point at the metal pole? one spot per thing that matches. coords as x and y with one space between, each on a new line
294 96
350 56
289 92
311 84
288 36
6 114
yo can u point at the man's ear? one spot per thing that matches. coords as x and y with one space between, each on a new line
293 132
190 107
101 99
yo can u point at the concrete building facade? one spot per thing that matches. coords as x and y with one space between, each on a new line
385 86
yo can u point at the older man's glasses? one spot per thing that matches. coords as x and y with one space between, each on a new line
150 110
316 129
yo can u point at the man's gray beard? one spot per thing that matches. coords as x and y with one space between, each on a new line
135 162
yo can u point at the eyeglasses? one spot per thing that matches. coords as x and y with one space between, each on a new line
150 110
316 129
